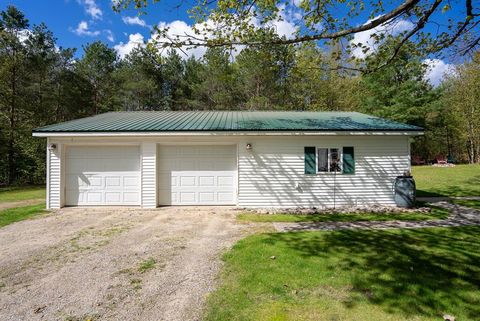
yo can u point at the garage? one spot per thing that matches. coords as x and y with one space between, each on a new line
102 175
197 175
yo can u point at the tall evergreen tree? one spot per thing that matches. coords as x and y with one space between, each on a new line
97 66
13 78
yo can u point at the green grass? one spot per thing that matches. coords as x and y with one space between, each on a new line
436 214
12 215
146 265
461 180
13 194
375 275
468 203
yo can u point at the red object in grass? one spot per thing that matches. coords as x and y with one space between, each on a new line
417 160
441 159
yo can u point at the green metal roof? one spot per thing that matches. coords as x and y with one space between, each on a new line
195 121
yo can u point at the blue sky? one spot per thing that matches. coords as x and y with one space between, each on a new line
78 22
64 17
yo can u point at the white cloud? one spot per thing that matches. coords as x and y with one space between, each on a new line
110 36
365 37
23 35
437 69
297 2
92 9
134 40
82 30
135 21
180 28
285 26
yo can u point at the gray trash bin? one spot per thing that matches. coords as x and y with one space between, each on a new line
404 188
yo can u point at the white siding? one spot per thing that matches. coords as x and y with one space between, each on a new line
272 173
149 175
54 194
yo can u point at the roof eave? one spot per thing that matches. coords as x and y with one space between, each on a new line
226 133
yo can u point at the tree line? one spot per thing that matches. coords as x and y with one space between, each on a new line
42 83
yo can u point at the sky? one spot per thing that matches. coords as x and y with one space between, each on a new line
78 22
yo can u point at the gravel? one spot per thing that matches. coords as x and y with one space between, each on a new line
339 210
81 264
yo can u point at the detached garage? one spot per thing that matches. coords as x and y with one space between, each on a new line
250 159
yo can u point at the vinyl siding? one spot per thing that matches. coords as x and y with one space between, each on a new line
272 173
55 178
149 176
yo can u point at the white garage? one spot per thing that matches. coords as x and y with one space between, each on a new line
102 175
197 175
266 159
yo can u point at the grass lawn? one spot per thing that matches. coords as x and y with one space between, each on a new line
461 180
468 203
437 213
376 275
12 215
13 194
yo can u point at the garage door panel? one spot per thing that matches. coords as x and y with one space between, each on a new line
206 181
206 197
187 181
204 175
131 182
187 197
107 175
94 197
113 181
225 197
113 197
131 197
224 180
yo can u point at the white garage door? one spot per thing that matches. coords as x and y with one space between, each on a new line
107 175
197 175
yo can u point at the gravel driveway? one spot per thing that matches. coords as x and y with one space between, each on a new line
113 264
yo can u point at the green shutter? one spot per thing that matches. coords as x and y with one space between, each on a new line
348 160
310 161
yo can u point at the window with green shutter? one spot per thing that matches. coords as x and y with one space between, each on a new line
310 160
348 160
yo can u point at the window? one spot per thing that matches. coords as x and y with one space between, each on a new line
328 160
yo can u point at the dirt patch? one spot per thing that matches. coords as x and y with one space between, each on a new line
7 205
114 264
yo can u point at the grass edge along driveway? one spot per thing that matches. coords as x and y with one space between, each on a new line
16 214
436 213
385 275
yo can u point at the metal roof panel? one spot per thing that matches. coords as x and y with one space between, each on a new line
194 121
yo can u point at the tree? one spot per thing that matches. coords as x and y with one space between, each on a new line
264 75
140 80
463 95
97 66
217 90
225 23
399 91
13 77
318 85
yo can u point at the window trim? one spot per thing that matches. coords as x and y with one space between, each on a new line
340 157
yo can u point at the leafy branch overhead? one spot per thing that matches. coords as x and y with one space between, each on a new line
231 23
